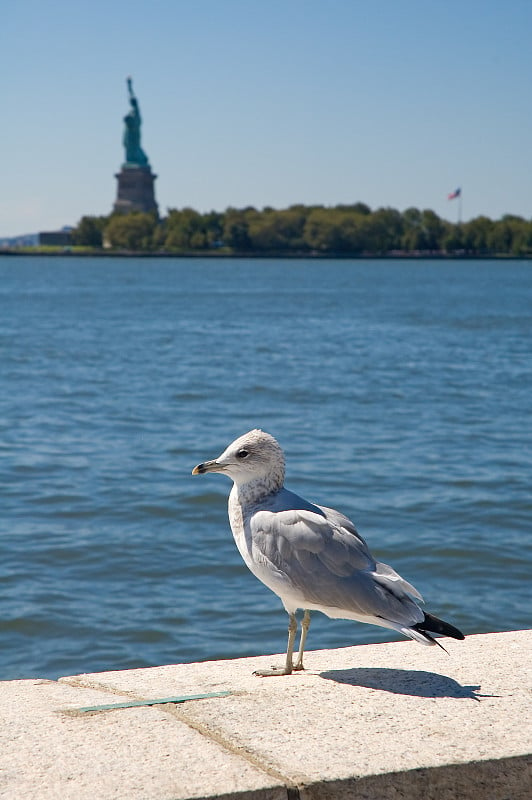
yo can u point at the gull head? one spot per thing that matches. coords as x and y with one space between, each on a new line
255 457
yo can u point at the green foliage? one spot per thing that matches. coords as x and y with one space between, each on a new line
189 230
131 231
271 230
340 230
383 231
89 231
475 234
328 232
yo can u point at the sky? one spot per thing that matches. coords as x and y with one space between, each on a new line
266 103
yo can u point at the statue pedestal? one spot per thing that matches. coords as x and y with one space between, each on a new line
135 191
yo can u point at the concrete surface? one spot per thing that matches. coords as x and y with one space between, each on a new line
375 721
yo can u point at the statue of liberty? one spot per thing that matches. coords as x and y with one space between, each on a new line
135 155
135 190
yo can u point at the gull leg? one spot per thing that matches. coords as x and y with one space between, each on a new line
287 669
305 624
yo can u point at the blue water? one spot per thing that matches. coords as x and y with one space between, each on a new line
400 391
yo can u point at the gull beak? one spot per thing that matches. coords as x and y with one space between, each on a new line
207 466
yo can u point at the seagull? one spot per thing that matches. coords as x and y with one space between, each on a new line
311 556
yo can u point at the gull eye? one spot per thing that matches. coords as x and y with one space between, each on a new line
242 453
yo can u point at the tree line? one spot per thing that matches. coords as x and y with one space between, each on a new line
304 230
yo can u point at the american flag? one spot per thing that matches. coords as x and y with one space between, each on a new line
453 195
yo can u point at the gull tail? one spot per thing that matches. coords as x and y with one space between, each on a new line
432 624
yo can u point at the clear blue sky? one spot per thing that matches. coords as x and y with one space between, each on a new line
255 102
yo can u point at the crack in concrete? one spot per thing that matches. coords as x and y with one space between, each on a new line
292 785
178 712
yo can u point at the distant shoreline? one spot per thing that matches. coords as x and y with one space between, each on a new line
415 256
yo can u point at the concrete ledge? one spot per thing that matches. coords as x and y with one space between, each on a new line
376 721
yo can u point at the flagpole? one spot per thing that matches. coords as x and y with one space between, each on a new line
453 196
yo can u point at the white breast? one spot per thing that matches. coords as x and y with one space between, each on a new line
236 520
274 580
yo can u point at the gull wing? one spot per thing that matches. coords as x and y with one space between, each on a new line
319 557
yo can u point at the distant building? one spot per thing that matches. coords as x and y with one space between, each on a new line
62 238
24 240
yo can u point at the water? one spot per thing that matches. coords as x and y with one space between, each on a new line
400 391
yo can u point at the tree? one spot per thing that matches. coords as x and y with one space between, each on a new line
521 237
184 230
476 235
423 231
499 238
214 226
277 230
453 239
382 231
133 231
89 231
236 228
434 230
321 231
412 238
343 229
356 208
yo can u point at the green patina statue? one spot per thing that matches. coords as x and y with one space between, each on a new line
135 155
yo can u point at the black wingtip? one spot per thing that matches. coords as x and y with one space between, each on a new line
434 625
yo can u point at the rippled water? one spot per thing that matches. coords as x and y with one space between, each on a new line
400 391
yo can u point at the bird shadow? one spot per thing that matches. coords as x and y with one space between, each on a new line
417 683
